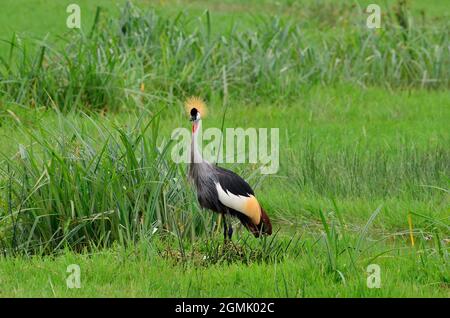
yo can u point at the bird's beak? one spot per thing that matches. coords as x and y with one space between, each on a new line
192 118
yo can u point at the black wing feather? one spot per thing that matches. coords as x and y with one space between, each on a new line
233 183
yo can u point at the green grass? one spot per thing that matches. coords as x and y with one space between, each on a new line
142 272
295 203
363 146
144 56
35 18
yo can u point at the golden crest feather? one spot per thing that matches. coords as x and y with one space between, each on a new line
198 103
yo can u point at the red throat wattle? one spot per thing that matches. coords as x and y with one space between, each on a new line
194 127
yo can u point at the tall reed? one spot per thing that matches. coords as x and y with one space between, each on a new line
142 56
70 189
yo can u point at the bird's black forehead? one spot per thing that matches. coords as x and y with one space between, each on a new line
194 111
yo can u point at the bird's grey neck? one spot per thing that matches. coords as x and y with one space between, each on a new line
196 156
199 167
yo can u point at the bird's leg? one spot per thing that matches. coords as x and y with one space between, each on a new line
230 230
225 230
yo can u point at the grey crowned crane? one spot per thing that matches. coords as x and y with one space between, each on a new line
221 190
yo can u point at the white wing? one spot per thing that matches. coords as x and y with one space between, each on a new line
247 205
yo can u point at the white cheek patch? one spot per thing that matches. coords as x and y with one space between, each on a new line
240 203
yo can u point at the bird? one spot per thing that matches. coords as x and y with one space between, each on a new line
221 190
